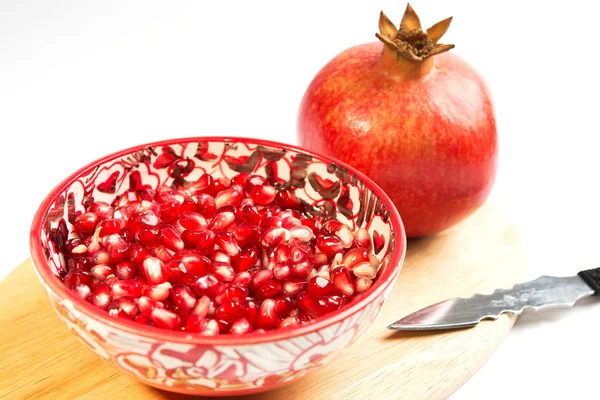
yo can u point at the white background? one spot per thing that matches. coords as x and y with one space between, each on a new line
81 79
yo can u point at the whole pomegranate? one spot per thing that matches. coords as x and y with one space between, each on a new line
422 127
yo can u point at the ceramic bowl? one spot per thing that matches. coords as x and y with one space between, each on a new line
226 364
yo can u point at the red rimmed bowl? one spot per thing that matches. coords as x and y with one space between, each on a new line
225 364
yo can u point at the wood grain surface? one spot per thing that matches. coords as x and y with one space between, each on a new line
39 358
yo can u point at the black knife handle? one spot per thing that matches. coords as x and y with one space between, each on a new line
592 278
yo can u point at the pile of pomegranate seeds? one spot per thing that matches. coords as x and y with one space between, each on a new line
222 257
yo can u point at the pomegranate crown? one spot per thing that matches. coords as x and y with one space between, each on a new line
410 42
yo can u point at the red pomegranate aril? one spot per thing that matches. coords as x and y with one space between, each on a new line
82 291
158 292
101 257
289 321
163 253
206 205
329 245
284 306
125 270
226 241
290 222
171 238
282 272
228 197
208 285
137 254
196 264
281 254
80 263
273 236
193 221
223 326
86 223
252 309
354 257
220 256
341 279
231 293
76 247
210 328
319 259
260 278
287 199
319 286
329 304
169 210
246 233
252 181
362 284
249 214
101 297
147 305
102 271
298 254
269 289
126 288
363 239
195 323
294 286
111 226
331 226
166 319
345 235
247 260
202 185
202 307
76 277
324 272
303 268
263 194
302 233
183 297
118 249
305 318
149 237
125 304
223 271
241 326
142 319
206 241
230 311
155 270
102 210
222 220
240 179
307 303
267 317
364 270
242 279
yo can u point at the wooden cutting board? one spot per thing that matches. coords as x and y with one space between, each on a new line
39 358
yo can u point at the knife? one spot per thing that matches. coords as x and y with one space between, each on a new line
545 291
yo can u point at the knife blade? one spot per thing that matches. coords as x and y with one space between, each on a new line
543 292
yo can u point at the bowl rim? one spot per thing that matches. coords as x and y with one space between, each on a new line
49 279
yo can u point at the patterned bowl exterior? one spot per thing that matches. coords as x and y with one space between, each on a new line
226 364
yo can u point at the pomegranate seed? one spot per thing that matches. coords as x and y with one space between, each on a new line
303 268
147 305
162 253
220 256
125 304
247 259
250 214
364 270
149 237
241 326
158 292
319 259
171 238
252 309
77 277
82 291
196 264
100 296
282 272
166 319
247 233
329 245
86 223
287 199
273 236
345 235
101 257
354 257
362 284
210 328
269 289
208 285
101 271
125 270
231 293
242 279
76 247
206 242
252 181
282 253
80 263
294 286
195 323
224 272
263 194
319 286
193 221
284 306
126 288
289 321
183 297
142 319
102 210
302 233
305 318
307 303
169 210
342 281
329 304
374 261
202 307
222 220
267 317
117 247
155 270
137 254
363 239
259 278
206 205
227 242
230 311
111 226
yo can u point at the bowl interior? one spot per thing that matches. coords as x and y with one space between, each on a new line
323 186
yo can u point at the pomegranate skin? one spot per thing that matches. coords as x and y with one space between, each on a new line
429 142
